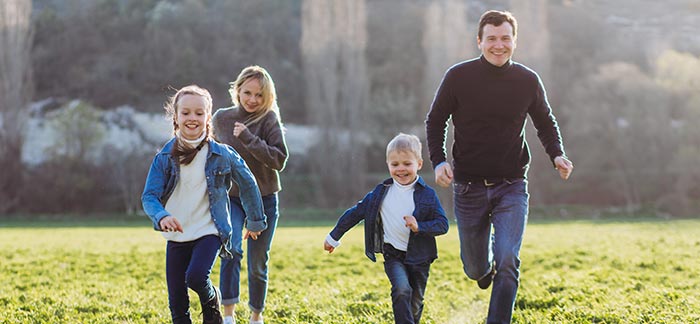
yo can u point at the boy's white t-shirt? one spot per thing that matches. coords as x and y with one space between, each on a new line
397 203
189 202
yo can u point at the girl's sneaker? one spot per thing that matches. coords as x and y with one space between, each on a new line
229 320
260 321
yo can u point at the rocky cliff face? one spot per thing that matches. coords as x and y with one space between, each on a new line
121 129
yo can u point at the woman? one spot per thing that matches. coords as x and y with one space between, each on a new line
254 128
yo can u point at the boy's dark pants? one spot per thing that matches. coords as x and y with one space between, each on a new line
408 283
188 264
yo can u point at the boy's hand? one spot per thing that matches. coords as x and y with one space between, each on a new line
411 223
170 224
328 247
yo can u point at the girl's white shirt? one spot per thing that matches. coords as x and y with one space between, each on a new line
189 202
397 203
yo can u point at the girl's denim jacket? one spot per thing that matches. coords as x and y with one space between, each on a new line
428 213
223 166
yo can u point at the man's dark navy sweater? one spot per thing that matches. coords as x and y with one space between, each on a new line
489 106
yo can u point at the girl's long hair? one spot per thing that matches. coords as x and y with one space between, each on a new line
268 91
183 153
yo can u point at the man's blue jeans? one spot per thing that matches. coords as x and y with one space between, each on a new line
408 283
503 207
188 264
258 256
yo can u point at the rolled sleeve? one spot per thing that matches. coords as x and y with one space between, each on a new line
332 241
256 225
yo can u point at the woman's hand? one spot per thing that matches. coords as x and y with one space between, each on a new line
253 235
238 128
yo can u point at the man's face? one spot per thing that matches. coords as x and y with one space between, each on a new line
497 43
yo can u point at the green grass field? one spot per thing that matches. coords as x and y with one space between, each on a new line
572 272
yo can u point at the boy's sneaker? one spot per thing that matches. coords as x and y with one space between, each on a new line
211 310
486 281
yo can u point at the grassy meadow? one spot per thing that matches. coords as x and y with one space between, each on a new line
572 272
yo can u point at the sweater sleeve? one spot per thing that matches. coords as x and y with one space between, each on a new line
216 126
251 200
436 124
270 150
546 124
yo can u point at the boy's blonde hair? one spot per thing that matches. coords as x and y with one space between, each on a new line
405 143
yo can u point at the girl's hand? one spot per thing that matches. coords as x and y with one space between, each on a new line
411 223
238 128
253 235
170 224
328 247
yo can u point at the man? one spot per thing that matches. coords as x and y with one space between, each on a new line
488 99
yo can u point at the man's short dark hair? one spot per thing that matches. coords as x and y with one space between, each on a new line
496 18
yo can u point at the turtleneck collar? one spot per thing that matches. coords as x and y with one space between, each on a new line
191 143
497 69
406 187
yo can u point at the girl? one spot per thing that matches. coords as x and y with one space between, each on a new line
253 127
186 198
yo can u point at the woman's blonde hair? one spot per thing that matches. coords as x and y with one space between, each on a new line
268 92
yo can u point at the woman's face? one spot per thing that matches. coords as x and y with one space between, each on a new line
250 95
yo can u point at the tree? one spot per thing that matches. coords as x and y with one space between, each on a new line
628 138
334 39
15 91
446 41
679 73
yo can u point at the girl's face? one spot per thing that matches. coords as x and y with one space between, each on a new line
250 95
192 116
403 166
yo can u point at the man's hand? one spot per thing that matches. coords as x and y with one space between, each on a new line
411 223
564 166
443 174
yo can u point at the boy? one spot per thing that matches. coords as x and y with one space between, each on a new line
402 217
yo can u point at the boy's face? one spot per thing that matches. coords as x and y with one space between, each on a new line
403 166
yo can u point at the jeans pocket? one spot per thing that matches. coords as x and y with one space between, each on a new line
461 188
